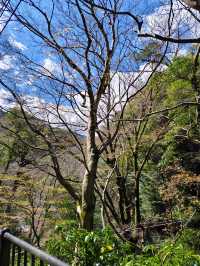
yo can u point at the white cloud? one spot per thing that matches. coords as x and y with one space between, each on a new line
183 22
122 86
48 112
17 44
41 109
147 69
50 66
182 52
6 62
6 100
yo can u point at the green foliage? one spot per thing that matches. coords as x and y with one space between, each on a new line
78 246
175 87
180 68
191 238
169 254
151 52
14 144
103 248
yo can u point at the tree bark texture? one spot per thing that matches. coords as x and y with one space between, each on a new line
88 192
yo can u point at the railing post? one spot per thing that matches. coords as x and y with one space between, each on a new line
4 249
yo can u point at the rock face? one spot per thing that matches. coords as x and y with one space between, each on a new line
193 4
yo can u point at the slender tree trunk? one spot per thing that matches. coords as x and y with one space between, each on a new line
195 85
124 203
137 190
138 229
137 202
7 163
196 88
198 107
123 200
6 167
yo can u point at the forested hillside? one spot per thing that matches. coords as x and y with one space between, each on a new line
100 130
149 188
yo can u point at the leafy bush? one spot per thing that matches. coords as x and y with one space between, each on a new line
103 248
169 254
191 238
80 247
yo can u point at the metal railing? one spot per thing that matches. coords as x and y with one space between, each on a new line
17 252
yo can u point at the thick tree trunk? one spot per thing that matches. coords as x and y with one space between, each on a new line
88 194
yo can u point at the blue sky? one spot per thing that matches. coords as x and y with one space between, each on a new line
140 8
38 52
31 45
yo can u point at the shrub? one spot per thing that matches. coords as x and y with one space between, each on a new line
169 254
103 248
79 247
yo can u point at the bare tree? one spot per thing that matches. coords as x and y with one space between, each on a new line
88 48
175 11
128 156
5 16
85 43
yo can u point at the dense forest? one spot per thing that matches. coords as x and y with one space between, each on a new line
100 130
